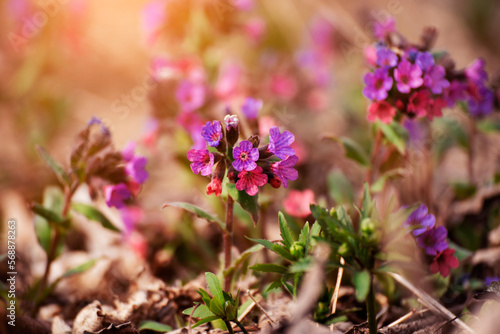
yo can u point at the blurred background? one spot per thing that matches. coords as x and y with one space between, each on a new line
61 62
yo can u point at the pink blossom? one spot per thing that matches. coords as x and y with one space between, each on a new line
370 54
283 86
251 180
115 195
255 29
297 203
153 17
130 216
381 110
214 187
443 262
190 96
419 102
228 81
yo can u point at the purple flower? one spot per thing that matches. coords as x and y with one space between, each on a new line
279 144
190 95
97 121
377 84
455 92
386 58
420 218
115 195
433 240
424 60
434 79
245 156
202 161
490 279
136 169
475 71
251 180
130 216
212 133
251 107
480 99
416 130
408 76
284 170
128 151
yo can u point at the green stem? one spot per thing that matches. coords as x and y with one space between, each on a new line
228 241
241 326
370 308
229 327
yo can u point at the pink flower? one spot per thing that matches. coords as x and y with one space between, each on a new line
255 29
228 81
138 243
214 187
435 108
419 102
370 54
265 124
192 123
382 29
130 216
251 180
202 161
283 86
443 262
115 195
243 5
190 96
408 76
381 110
297 203
153 17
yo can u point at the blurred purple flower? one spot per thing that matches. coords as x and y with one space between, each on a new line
480 99
433 240
279 144
377 84
434 79
386 58
136 169
243 5
284 170
420 218
97 121
382 29
251 180
424 60
490 279
212 133
251 107
115 195
128 151
228 81
416 130
130 216
202 161
322 32
245 156
190 96
408 76
475 71
455 92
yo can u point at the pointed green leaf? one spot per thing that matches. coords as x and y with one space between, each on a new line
202 311
205 320
269 268
93 214
367 202
204 296
197 211
274 285
214 286
266 243
361 280
283 252
396 134
304 236
243 256
50 215
80 269
56 168
247 202
285 231
154 326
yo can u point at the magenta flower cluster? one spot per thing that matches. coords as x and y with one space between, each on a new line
410 79
432 239
246 164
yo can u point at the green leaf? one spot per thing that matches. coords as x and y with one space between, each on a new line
202 311
488 126
243 256
247 202
283 252
361 280
354 151
378 185
266 243
205 320
274 285
285 231
460 252
396 134
56 168
463 190
154 326
205 296
367 207
79 269
214 286
197 211
93 214
50 215
304 236
53 199
269 268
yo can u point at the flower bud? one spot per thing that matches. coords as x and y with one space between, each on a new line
231 123
297 249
